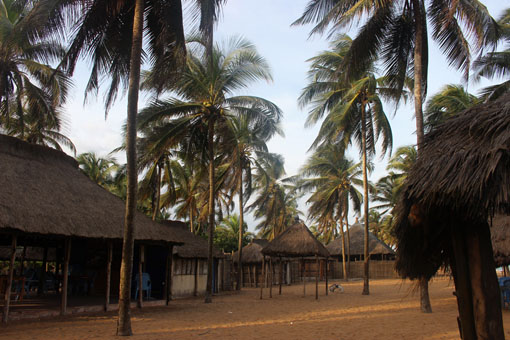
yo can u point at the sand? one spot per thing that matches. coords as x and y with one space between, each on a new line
391 311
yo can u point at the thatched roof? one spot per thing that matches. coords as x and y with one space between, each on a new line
462 173
500 235
194 246
252 253
357 243
44 192
296 241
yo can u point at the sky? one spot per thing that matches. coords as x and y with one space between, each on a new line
267 24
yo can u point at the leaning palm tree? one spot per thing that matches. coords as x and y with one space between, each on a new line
354 112
199 116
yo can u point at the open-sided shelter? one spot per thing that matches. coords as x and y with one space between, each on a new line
252 261
299 242
45 201
461 179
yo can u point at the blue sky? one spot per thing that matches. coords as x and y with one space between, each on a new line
266 23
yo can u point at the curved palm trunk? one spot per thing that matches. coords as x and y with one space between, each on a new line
191 219
348 246
158 196
344 265
240 247
124 321
419 52
366 290
210 137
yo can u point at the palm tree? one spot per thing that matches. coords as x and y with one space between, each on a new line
332 179
101 170
227 233
200 115
354 112
496 64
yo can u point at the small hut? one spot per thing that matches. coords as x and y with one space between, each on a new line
189 263
252 262
461 179
380 253
297 241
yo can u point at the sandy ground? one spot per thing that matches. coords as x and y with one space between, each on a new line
391 311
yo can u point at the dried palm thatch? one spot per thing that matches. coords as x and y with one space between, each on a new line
357 243
252 253
44 192
461 177
296 241
500 235
194 247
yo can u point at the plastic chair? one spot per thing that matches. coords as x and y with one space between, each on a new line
146 284
504 286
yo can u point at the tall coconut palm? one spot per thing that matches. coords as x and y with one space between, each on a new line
354 112
248 144
333 181
204 105
99 169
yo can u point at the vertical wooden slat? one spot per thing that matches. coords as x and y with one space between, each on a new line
139 303
327 264
195 287
317 277
65 276
7 296
271 277
281 277
303 270
108 275
263 276
255 275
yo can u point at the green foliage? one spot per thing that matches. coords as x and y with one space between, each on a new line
227 234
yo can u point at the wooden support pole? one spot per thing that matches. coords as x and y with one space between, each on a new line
249 275
317 277
195 284
139 303
168 276
271 277
255 275
65 276
263 276
281 277
7 296
303 276
327 264
108 275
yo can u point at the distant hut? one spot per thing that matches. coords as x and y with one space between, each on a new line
299 242
189 263
461 179
47 202
252 261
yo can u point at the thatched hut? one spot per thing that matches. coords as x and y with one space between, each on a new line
461 178
46 201
189 263
252 261
298 241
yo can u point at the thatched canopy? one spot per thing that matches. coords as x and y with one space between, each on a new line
43 192
462 176
194 246
357 243
500 235
296 241
252 253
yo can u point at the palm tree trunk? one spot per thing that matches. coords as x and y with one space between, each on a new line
124 322
191 219
210 146
419 52
158 195
366 290
348 245
344 266
241 220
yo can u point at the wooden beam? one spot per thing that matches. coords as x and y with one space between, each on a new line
263 276
7 296
271 277
281 277
303 270
195 287
169 272
327 264
317 277
65 276
109 258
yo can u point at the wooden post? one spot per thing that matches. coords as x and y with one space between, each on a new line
317 277
303 276
255 275
327 264
289 274
168 275
271 277
249 275
139 303
108 275
281 277
7 296
263 276
195 287
65 276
